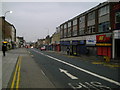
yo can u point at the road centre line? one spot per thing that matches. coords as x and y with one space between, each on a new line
80 69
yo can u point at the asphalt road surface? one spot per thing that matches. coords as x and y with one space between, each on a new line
66 72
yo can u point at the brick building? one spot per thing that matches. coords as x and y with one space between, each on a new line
91 32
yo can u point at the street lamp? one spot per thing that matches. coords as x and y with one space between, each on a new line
7 12
4 21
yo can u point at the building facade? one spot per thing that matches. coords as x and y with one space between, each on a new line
8 33
55 40
91 32
0 34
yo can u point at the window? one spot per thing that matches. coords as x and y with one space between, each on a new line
65 32
75 30
75 22
69 24
81 31
65 26
91 16
103 27
117 17
91 29
69 31
104 10
82 19
61 31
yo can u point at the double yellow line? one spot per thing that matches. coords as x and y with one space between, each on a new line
16 77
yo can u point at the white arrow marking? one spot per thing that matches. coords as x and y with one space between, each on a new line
68 74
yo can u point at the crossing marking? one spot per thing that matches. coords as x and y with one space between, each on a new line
81 69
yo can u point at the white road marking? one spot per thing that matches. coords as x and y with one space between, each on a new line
43 73
68 74
86 71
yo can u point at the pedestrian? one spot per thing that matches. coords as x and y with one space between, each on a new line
4 49
68 50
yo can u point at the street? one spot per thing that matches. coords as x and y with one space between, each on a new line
67 72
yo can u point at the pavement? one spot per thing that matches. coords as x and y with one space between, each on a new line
93 59
29 75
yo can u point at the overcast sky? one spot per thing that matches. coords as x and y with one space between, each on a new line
33 20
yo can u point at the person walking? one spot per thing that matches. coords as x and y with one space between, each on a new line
68 51
4 49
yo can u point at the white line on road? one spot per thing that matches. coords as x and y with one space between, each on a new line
68 74
86 71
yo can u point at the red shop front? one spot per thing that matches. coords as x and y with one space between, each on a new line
104 45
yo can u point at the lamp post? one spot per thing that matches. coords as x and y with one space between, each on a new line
4 22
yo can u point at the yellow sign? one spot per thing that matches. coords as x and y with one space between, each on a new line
5 42
103 44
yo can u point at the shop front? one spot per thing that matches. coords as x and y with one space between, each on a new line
116 44
104 45
64 45
82 49
91 45
79 48
73 48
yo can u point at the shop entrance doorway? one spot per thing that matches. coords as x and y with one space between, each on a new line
117 49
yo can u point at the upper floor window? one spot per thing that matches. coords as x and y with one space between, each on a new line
103 27
91 15
104 10
74 33
82 19
69 31
117 17
69 24
65 26
91 29
81 31
61 33
75 22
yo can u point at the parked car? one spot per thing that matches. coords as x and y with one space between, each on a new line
43 48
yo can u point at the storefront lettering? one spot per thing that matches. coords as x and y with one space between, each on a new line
101 38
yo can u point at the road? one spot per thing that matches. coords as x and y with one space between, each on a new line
66 72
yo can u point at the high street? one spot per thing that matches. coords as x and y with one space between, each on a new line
66 72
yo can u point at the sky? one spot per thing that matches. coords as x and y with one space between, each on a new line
35 20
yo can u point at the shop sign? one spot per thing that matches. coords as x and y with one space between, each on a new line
90 42
82 42
66 42
103 38
116 34
116 7
5 42
75 42
103 44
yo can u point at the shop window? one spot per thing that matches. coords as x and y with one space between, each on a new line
104 51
